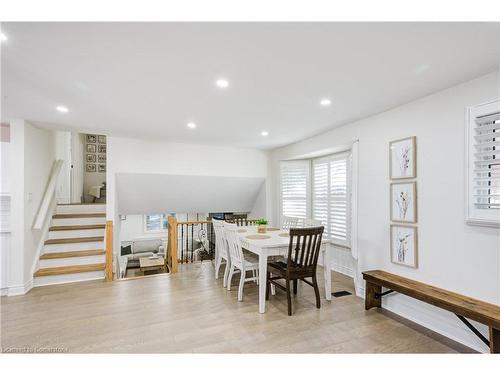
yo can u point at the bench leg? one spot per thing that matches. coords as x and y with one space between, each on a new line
494 340
370 299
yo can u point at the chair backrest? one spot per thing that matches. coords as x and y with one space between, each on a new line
233 243
303 249
289 222
220 238
310 223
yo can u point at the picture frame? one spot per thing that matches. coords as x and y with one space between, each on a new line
102 149
403 158
102 168
404 245
90 158
403 198
91 138
101 139
90 168
91 149
101 158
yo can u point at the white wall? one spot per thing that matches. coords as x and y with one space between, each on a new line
452 255
34 151
132 228
63 152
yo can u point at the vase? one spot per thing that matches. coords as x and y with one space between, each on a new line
261 228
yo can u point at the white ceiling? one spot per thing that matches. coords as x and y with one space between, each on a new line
149 79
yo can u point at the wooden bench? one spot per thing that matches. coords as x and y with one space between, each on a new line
462 306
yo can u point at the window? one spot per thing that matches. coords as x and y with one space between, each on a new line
155 223
483 165
295 188
319 188
331 195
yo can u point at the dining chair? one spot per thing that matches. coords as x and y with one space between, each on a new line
221 250
238 262
288 222
310 223
302 261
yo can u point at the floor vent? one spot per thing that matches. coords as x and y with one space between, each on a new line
342 293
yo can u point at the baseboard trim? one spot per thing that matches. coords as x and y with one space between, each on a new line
343 270
18 290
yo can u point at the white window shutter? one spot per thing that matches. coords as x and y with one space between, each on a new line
295 188
483 191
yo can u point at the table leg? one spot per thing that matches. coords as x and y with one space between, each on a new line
328 273
262 282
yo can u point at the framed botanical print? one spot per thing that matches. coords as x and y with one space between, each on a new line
101 158
402 158
404 245
102 149
101 139
102 168
91 158
91 168
404 202
91 148
91 138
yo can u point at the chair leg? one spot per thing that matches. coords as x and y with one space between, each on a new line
226 275
288 297
295 282
267 286
218 262
316 291
231 272
242 283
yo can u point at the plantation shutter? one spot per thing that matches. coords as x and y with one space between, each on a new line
487 162
331 196
484 163
294 188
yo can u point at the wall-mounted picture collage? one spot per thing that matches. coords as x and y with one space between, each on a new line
95 156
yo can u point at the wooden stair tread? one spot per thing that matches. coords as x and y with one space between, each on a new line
72 254
76 227
69 269
478 310
55 241
80 204
77 216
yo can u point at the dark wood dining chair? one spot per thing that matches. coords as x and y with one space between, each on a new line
302 261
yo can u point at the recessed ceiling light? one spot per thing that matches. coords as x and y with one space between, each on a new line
3 37
222 83
264 133
325 102
62 109
191 125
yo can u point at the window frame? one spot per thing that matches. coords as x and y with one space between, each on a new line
164 221
473 215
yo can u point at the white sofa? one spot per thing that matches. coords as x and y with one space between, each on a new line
139 248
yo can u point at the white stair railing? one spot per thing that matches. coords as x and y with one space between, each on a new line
48 196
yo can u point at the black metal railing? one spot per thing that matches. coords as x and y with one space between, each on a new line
196 241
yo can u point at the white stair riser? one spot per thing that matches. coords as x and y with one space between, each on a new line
69 278
76 233
74 261
79 221
56 248
81 208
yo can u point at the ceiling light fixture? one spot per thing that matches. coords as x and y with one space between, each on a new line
3 37
264 133
62 109
191 125
325 102
222 83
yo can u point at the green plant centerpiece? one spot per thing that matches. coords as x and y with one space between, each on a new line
261 225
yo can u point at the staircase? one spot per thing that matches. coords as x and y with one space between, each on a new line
74 250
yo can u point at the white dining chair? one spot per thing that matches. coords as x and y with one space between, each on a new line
311 223
238 262
221 250
288 222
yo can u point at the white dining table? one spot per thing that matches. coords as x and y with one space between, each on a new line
277 244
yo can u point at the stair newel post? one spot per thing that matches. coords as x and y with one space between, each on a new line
109 250
172 245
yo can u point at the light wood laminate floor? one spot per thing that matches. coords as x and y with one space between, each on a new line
191 312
